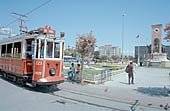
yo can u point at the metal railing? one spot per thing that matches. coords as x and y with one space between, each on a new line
106 75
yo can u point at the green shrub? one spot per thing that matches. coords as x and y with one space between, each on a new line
113 67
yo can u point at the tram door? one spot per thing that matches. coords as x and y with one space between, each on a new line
38 59
28 50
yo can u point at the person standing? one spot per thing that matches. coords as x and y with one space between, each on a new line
131 73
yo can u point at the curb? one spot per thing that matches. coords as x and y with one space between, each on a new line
90 82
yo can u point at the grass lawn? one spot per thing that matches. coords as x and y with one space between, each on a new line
87 73
159 67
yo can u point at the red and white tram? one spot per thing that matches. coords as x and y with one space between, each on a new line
34 58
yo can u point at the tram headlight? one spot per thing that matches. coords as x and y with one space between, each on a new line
52 71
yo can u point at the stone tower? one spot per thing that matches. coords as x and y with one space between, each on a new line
156 39
157 57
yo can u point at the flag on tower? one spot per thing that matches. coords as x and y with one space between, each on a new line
137 36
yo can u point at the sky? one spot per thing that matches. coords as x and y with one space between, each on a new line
103 17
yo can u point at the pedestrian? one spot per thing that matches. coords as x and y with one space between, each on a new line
77 74
130 73
72 71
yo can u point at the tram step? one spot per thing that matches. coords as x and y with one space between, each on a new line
30 85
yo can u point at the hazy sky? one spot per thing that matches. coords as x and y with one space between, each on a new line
104 17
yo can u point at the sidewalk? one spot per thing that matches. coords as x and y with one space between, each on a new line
143 77
148 88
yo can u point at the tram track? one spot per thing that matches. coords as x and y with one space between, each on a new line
88 103
129 103
113 100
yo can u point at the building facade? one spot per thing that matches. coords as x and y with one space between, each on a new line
167 50
109 51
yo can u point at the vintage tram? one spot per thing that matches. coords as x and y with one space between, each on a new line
34 58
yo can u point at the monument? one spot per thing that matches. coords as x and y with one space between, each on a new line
158 58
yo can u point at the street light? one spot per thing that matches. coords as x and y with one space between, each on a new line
123 15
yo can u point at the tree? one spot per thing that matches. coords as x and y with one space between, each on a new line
131 58
167 30
84 44
70 52
104 58
96 55
114 57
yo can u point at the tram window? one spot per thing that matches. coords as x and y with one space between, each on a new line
9 50
3 50
17 49
63 50
57 50
37 48
42 49
49 49
30 48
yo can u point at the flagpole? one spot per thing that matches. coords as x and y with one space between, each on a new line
138 50
138 55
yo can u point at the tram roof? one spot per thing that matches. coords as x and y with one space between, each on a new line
24 36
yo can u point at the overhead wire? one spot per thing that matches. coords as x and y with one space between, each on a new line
34 9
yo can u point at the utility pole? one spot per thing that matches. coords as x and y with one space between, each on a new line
22 26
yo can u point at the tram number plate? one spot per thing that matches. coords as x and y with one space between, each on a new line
38 73
38 62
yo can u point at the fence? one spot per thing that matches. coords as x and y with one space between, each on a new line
106 75
101 77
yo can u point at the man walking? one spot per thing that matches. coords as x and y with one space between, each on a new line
130 73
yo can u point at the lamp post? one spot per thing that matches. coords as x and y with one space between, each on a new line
123 15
